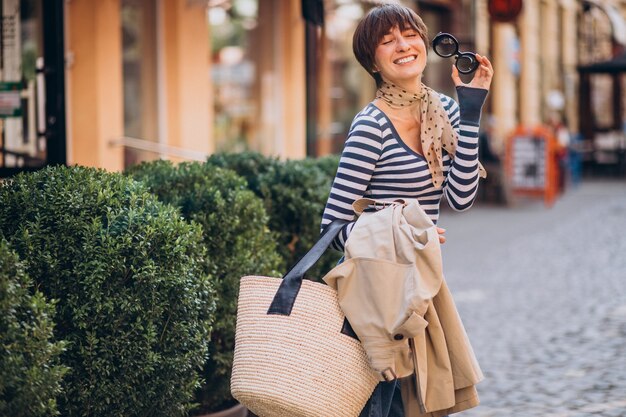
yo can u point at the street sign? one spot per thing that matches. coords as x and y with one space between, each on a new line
10 99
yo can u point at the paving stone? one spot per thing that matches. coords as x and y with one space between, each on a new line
542 293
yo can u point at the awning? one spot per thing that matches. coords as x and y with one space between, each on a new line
612 66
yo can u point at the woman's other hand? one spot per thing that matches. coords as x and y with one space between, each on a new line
442 238
482 76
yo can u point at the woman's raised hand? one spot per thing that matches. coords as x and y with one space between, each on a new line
482 76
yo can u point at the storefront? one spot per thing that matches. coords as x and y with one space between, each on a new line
32 89
121 81
602 88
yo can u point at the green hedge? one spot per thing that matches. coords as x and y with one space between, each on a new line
133 302
328 164
30 372
238 243
294 194
249 165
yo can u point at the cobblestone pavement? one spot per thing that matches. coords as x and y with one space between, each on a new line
542 293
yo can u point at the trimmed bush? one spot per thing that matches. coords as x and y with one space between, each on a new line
328 164
133 301
249 165
294 194
30 373
238 243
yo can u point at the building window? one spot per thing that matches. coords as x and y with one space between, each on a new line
21 107
595 44
140 69
601 102
348 87
234 74
438 70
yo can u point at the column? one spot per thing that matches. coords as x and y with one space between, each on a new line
292 78
95 102
482 28
325 103
186 73
281 88
550 50
504 89
569 44
530 75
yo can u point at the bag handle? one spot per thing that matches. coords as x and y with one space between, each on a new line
292 281
361 204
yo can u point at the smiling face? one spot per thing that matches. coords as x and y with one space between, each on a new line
385 35
400 57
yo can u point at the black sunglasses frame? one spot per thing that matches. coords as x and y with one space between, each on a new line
470 56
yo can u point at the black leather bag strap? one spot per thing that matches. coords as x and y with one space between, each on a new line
292 281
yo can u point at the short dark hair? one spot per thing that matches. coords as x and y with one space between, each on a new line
375 25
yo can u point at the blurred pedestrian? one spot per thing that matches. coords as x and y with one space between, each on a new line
486 154
563 141
410 142
493 188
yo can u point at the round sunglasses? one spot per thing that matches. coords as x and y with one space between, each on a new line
446 46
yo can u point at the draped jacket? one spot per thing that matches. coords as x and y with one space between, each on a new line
392 290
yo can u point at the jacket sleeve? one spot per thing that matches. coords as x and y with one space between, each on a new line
461 183
356 166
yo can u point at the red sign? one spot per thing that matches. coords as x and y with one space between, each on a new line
530 163
504 10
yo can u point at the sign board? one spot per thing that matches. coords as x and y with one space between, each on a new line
504 10
10 99
531 163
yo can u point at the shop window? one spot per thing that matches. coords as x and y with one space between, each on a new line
235 74
140 68
446 16
438 69
349 87
22 115
601 103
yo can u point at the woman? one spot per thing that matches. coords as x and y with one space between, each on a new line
409 142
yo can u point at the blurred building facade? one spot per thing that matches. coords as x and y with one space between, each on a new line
108 83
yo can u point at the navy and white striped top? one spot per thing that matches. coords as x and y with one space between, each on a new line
376 163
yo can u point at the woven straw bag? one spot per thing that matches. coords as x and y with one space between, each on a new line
293 354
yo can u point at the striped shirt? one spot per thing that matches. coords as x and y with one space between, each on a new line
376 163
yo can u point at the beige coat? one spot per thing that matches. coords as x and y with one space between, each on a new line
392 291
